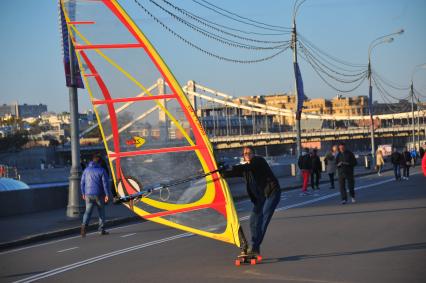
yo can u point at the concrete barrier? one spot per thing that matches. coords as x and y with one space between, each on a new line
32 200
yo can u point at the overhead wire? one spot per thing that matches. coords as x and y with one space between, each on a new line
242 19
388 83
213 25
217 37
322 65
210 53
318 71
337 60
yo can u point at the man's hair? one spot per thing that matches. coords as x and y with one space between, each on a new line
342 143
306 149
96 158
251 148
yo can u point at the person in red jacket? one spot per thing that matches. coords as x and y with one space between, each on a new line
424 164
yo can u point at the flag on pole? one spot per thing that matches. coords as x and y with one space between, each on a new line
299 87
370 99
66 53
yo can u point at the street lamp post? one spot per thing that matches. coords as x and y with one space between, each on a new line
380 40
74 208
298 112
416 68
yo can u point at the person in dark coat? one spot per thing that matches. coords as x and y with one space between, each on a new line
330 164
346 161
396 162
95 192
316 170
305 166
406 163
264 192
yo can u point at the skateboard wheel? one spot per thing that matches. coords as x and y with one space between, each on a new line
253 261
237 262
259 258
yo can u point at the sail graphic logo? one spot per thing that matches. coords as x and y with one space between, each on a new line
136 141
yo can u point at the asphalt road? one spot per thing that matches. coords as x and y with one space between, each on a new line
381 238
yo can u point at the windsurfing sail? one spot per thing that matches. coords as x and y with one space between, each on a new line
152 139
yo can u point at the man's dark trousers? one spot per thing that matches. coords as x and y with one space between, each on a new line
349 178
260 217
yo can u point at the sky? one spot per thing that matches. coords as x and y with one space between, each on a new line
32 69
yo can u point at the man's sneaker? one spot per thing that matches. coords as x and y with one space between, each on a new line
83 231
343 202
103 232
353 200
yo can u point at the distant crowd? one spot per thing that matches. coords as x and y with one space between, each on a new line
341 162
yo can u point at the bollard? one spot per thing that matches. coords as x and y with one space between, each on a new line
367 162
323 164
293 169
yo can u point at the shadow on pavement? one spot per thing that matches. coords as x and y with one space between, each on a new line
352 212
23 274
406 247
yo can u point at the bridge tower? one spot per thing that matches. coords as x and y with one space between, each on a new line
163 119
190 86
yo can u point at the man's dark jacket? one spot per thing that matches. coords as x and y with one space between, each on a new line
396 158
265 181
316 163
305 162
346 162
406 158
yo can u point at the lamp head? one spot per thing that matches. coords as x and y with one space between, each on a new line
401 31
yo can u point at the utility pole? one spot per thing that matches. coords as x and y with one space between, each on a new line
74 209
412 115
370 110
297 111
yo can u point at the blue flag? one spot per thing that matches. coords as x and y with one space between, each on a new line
370 99
299 85
65 50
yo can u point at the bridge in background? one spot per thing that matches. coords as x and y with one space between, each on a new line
232 122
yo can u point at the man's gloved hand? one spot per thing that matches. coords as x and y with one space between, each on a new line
224 167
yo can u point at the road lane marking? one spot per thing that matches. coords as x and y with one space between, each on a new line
127 235
60 240
164 240
69 249
98 258
291 193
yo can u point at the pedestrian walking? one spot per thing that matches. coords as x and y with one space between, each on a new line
345 162
330 164
406 163
264 192
413 154
95 192
422 152
316 169
396 158
379 162
424 164
305 166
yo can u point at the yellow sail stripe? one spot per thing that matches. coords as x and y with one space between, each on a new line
232 220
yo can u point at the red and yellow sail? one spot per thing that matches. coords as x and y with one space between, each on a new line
150 138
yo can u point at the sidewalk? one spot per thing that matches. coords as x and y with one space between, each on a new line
25 229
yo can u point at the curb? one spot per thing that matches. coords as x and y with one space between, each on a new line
118 221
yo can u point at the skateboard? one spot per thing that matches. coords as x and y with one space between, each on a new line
248 259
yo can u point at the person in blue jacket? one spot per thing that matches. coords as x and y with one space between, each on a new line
95 192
